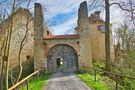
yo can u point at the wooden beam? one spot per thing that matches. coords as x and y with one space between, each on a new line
23 80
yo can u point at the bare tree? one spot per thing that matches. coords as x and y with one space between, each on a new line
6 47
127 38
127 6
6 54
106 5
22 45
5 61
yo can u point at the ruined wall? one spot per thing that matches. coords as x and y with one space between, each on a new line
98 37
85 33
22 21
92 38
90 45
39 52
98 42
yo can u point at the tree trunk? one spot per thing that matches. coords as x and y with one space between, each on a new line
107 35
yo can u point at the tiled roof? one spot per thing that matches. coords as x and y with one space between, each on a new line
75 36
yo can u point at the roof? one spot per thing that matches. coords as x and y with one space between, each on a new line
75 36
94 17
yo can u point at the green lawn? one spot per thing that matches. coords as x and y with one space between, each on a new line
89 80
37 83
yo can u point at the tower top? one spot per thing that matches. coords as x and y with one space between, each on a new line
82 14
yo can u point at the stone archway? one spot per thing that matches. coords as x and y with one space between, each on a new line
62 57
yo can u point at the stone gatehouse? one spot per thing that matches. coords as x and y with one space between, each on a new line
58 52
64 50
70 51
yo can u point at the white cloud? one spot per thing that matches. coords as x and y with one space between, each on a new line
117 18
67 27
62 6
55 7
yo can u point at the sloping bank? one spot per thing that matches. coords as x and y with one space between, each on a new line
102 83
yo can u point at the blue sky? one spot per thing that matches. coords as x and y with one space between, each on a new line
61 15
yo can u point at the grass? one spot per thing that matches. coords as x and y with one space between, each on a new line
89 80
37 83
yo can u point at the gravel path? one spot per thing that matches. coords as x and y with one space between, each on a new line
65 81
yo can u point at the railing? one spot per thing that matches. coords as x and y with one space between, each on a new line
114 75
25 80
86 69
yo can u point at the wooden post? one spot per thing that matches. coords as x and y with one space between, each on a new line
116 81
95 75
38 76
27 82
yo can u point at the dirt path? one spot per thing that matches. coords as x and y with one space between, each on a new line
65 81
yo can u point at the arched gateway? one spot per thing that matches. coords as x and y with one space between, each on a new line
62 57
65 52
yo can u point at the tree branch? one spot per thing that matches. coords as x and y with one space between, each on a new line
122 8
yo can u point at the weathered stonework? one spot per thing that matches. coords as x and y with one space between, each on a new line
21 18
77 50
98 37
39 59
84 54
85 34
68 44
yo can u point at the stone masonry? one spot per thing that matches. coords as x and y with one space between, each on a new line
85 40
75 51
39 58
22 21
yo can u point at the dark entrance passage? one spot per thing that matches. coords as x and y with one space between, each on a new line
59 63
62 57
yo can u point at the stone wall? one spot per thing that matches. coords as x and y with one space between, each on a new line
85 34
90 44
39 57
22 21
70 42
98 42
92 40
98 38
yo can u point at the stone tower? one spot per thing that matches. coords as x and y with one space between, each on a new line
97 25
84 31
39 57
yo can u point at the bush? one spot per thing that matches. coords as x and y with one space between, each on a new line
126 83
129 60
